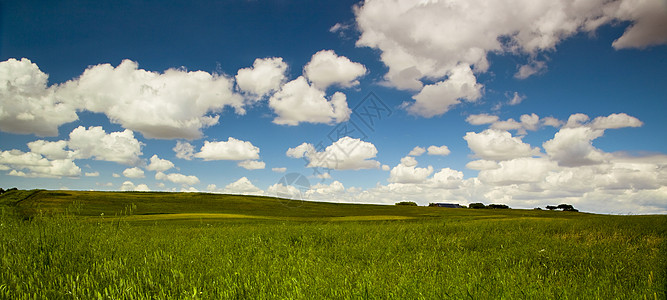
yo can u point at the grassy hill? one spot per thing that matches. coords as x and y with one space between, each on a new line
162 206
127 245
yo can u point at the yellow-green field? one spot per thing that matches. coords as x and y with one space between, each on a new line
90 245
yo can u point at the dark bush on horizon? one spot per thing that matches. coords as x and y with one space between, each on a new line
476 205
498 206
406 203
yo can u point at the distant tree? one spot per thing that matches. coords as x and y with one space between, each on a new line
2 191
567 207
551 207
537 208
564 206
498 206
406 203
430 204
476 205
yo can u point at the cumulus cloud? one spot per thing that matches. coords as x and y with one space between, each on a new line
94 142
326 68
492 144
327 192
177 178
232 149
345 154
36 165
481 119
252 164
265 76
129 186
242 186
28 106
517 171
530 69
417 151
446 178
516 99
615 121
50 150
279 170
482 164
298 101
408 172
438 150
133 173
169 105
437 99
574 147
92 174
158 164
184 150
442 41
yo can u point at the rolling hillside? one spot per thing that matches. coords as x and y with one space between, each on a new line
162 206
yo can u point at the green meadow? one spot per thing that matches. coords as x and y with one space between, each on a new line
130 245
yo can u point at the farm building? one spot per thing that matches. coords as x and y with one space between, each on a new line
447 205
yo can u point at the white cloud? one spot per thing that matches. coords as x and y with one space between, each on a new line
158 164
242 186
527 122
408 161
28 106
50 150
252 164
572 147
265 76
326 68
649 22
615 121
481 119
232 149
177 178
37 165
516 99
438 150
286 191
446 178
169 105
386 168
133 173
407 172
576 120
184 150
279 170
92 174
437 99
551 121
298 102
327 192
427 41
530 69
115 175
482 164
300 151
492 144
345 154
417 151
517 171
94 142
129 186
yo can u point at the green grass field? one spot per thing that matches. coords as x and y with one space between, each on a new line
103 245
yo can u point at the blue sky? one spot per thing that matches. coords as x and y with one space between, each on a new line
555 102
